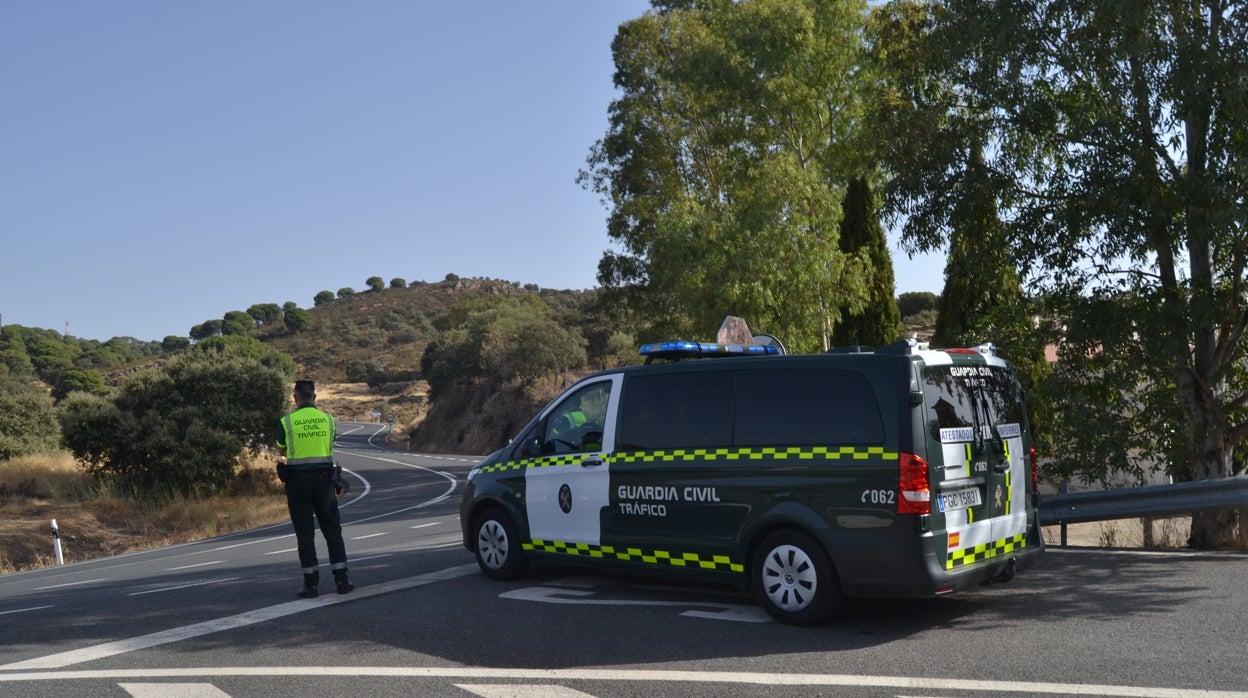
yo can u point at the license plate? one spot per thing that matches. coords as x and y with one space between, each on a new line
959 499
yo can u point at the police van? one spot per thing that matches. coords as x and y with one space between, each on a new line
898 472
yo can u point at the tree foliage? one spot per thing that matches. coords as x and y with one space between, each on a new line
877 324
297 319
28 425
724 164
1115 142
75 380
495 342
181 428
915 302
238 323
265 313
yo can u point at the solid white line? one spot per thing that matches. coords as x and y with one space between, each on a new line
72 584
181 586
260 615
23 610
656 676
198 564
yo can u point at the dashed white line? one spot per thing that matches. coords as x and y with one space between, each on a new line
522 690
72 584
198 564
182 586
173 690
371 535
24 610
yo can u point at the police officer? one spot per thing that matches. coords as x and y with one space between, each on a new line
306 439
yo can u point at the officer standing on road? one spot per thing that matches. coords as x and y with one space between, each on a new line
306 439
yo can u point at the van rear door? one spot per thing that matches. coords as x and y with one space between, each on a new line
976 444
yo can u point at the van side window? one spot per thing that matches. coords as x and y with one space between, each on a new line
794 408
677 410
576 424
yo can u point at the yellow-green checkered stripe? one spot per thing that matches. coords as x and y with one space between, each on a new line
979 553
800 453
652 557
760 453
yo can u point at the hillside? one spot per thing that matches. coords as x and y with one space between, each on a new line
364 352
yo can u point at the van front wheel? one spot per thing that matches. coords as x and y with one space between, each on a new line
498 549
793 579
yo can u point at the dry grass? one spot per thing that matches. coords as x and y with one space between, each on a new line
1124 533
94 522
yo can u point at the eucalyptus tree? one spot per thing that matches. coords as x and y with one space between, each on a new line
724 164
1116 138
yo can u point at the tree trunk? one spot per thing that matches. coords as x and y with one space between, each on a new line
1214 529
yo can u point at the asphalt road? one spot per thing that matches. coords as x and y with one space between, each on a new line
220 618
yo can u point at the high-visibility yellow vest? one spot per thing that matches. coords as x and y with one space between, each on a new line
309 435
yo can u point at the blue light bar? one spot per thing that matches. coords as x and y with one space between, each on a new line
688 350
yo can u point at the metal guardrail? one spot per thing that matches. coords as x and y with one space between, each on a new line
1139 502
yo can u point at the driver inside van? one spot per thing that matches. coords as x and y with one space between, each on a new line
579 426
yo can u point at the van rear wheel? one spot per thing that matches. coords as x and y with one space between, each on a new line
497 548
794 580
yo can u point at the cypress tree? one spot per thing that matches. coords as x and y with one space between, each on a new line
861 233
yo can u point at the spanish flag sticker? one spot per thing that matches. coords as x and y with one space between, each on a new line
954 539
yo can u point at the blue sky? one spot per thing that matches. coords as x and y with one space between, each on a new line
164 163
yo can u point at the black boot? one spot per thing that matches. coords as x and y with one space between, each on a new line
310 582
340 579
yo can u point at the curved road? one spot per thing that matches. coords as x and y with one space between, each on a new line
219 618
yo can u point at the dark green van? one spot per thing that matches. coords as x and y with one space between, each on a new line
900 472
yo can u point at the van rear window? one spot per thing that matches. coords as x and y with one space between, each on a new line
964 399
781 407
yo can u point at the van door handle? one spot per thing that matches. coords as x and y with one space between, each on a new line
592 460
1002 467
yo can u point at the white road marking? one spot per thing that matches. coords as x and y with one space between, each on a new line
173 690
182 586
23 610
199 564
522 690
372 535
657 676
260 615
725 611
250 542
72 584
427 525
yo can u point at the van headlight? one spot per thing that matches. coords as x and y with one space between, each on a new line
473 473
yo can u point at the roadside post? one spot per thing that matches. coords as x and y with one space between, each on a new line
56 543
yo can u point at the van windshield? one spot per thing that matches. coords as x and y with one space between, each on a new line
970 402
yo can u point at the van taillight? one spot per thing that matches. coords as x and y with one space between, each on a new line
916 493
1035 473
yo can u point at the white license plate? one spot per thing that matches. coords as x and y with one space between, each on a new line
959 499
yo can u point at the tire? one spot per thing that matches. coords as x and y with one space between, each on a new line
793 579
496 545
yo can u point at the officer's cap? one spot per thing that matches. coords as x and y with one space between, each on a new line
305 387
